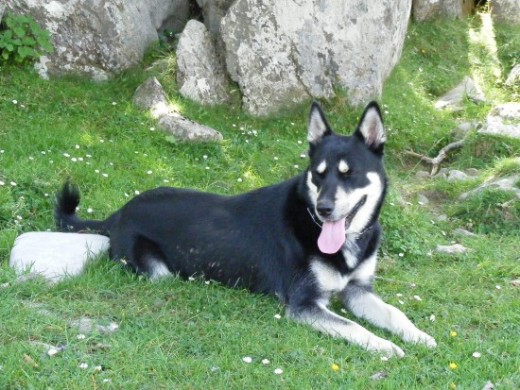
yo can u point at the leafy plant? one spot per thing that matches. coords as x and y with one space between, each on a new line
22 40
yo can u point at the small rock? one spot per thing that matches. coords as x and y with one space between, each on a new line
453 99
514 76
504 184
488 386
186 130
442 218
464 232
503 120
422 200
379 375
472 172
456 175
515 283
463 128
454 249
87 325
422 175
151 96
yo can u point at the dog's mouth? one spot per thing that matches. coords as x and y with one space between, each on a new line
333 233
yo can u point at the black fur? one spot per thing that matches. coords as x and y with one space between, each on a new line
264 240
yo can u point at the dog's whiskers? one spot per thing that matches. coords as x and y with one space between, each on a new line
312 216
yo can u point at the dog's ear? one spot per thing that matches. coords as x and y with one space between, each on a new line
371 129
318 126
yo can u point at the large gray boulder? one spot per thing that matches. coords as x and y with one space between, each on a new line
201 74
432 9
281 53
503 120
506 10
97 38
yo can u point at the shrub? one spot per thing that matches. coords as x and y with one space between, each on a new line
22 40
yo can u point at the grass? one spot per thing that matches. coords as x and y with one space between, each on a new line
191 335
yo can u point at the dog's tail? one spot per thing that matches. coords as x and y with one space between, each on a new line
67 200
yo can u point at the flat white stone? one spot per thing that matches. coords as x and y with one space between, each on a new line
54 255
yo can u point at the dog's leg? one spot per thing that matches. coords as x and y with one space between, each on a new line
326 321
365 304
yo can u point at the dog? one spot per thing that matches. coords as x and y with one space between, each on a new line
303 240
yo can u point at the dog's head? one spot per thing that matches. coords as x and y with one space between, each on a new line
346 179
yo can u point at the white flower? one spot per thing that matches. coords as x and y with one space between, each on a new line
1 183
136 192
149 172
247 359
83 366
401 254
239 180
296 166
98 368
52 351
432 318
265 361
277 316
278 371
384 358
417 298
74 159
66 155
401 302
275 158
90 211
476 355
205 157
498 287
13 183
152 128
77 146
15 101
114 103
104 174
81 336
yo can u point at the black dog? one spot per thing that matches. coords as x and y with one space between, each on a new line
302 240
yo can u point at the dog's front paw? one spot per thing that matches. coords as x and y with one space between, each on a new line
420 337
384 347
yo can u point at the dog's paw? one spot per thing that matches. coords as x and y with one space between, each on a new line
420 337
384 347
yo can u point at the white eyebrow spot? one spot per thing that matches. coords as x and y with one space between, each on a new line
343 166
321 167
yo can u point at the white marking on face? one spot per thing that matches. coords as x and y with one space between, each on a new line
328 278
343 166
313 190
347 200
322 166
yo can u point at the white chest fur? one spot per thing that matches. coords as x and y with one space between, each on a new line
329 280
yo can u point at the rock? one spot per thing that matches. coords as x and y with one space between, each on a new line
464 232
506 10
504 184
472 172
55 256
442 218
184 129
281 53
379 376
488 386
423 10
422 175
456 175
97 38
503 120
422 199
463 129
514 76
515 282
151 96
87 325
200 72
455 249
453 99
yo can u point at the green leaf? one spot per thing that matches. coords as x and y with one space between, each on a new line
28 41
19 31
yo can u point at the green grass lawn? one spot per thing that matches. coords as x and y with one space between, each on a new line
191 335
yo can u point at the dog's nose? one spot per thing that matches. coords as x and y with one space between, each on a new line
325 208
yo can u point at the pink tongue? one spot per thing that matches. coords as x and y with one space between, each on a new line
332 236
